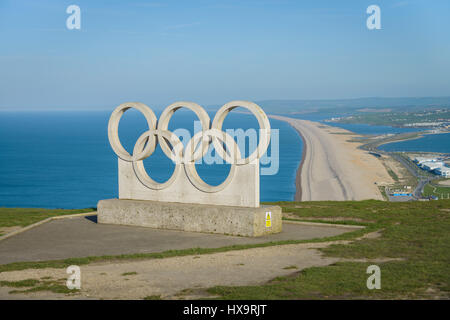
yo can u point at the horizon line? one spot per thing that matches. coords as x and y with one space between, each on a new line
158 106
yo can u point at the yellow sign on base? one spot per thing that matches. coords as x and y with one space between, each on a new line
268 219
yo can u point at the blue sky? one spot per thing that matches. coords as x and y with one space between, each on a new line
212 52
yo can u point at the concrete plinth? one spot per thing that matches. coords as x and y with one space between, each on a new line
242 221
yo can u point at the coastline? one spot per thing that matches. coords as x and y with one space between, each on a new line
332 168
420 135
298 183
406 136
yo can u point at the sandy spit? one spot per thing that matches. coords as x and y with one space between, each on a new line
332 168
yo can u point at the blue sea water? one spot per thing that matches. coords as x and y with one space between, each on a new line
428 143
362 128
63 159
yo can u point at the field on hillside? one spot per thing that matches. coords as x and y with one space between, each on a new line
409 241
442 192
411 245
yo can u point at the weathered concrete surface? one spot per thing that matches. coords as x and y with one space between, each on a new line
83 237
242 187
241 221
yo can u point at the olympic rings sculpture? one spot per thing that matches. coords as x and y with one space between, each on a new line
158 133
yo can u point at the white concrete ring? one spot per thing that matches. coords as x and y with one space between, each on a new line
113 131
164 119
189 164
264 127
175 155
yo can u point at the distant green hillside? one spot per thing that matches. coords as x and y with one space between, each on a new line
399 119
400 104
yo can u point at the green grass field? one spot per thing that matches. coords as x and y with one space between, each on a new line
21 217
412 251
442 192
416 234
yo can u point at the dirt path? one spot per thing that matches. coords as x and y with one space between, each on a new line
173 278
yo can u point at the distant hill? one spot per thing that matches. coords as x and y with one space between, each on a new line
306 106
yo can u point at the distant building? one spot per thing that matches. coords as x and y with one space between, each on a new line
420 160
430 166
443 171
425 124
434 165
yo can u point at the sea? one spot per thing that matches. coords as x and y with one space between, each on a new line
439 143
63 159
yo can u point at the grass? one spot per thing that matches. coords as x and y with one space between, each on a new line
393 175
129 273
290 267
441 192
33 285
416 233
12 217
19 284
406 178
338 222
184 292
383 192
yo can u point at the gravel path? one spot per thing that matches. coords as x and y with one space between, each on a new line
170 276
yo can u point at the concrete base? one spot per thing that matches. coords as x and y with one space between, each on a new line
241 221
